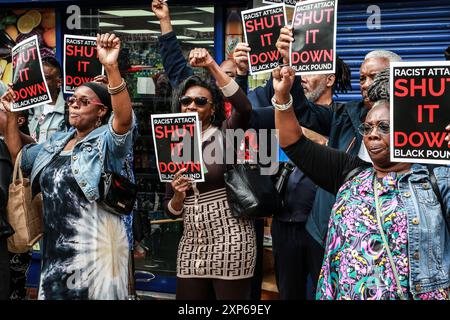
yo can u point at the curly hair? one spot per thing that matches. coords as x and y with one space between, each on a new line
52 62
193 81
379 89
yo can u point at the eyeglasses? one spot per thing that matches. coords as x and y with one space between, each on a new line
82 101
200 101
383 127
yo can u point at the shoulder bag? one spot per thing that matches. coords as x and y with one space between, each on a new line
250 194
24 213
117 193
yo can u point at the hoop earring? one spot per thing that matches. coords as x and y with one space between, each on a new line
99 122
212 119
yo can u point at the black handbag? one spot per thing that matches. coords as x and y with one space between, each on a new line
251 194
118 194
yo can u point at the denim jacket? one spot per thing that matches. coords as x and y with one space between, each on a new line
428 235
53 121
101 146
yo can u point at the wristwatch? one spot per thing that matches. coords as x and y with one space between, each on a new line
282 107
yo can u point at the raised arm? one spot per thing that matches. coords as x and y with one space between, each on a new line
241 105
175 65
286 122
325 166
108 47
161 10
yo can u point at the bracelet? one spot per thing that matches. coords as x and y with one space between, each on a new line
172 210
121 87
282 107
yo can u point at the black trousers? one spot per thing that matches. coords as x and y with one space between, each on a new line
18 265
4 270
213 289
296 255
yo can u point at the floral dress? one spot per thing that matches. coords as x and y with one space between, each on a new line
356 265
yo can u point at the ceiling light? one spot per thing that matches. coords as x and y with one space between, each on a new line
178 37
203 29
178 22
137 31
200 42
206 9
184 37
107 24
129 13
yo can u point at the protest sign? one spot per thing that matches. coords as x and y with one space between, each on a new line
29 82
420 111
288 3
261 30
176 138
81 64
314 29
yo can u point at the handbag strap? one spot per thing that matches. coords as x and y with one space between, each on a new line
17 169
385 242
224 149
102 162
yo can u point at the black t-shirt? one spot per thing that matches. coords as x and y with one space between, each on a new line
327 167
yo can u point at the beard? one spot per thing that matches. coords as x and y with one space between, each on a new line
314 95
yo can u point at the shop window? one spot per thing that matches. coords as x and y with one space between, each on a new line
17 25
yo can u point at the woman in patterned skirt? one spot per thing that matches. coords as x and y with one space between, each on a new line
216 254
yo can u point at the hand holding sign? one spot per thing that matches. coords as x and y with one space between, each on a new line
200 57
7 100
284 42
240 56
181 184
108 48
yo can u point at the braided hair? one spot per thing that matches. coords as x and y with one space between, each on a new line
447 53
343 76
379 89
